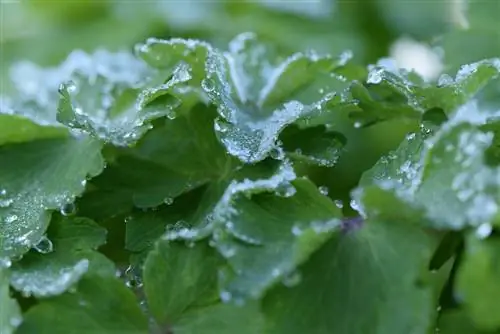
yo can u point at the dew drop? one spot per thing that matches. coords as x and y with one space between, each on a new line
171 114
484 231
11 218
128 219
44 245
339 204
323 190
296 230
5 262
132 280
68 209
5 203
208 85
3 192
168 200
286 190
277 153
220 125
225 296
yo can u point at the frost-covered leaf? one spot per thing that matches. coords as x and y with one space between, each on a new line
446 180
60 260
186 275
177 156
10 312
115 96
222 319
315 145
477 282
366 281
39 176
266 234
392 93
258 96
100 305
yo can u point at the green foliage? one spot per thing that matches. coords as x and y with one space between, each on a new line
242 175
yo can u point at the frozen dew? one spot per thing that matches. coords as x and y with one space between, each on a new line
68 209
44 245
285 190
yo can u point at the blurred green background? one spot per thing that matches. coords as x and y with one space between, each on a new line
454 32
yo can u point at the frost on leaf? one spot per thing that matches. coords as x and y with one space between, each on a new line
265 226
37 177
390 92
115 96
52 272
446 176
258 96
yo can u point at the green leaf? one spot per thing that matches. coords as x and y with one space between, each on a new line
366 281
39 176
446 179
186 275
100 305
115 96
265 236
61 261
477 281
10 315
315 145
222 319
392 93
457 322
167 163
257 96
19 129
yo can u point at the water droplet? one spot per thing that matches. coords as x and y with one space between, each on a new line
5 262
225 296
323 190
438 308
296 230
339 204
292 279
68 209
277 153
484 231
11 219
132 279
321 91
358 125
221 125
286 190
208 85
44 245
168 200
276 272
3 192
171 114
5 203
